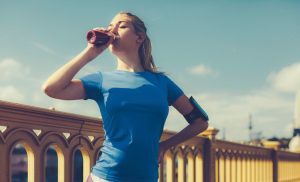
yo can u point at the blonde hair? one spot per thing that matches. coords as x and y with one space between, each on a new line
145 49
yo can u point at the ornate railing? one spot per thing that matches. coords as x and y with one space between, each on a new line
38 129
202 158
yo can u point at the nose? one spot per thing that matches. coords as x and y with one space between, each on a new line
115 28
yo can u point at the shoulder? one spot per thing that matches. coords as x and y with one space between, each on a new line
160 75
166 78
92 80
96 76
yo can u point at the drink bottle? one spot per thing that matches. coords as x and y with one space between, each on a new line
97 37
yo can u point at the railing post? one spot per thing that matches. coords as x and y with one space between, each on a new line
39 164
274 145
275 165
69 166
4 167
209 162
209 154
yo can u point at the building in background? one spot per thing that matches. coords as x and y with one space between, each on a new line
294 144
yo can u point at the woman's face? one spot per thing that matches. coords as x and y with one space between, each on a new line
126 38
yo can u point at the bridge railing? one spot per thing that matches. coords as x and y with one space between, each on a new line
202 158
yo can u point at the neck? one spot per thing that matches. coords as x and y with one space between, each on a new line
129 63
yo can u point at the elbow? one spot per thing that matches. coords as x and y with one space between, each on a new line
202 126
48 90
206 125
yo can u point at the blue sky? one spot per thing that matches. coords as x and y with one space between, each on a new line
235 57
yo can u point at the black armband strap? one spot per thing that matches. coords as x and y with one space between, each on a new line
197 112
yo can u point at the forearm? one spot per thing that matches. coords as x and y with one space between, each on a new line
188 132
63 76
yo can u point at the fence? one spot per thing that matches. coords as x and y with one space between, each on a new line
202 158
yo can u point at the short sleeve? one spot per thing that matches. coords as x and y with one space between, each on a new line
92 84
174 91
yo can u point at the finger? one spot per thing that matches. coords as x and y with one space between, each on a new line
100 29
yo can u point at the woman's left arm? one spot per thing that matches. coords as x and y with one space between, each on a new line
183 106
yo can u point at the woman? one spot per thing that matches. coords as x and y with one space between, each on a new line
134 102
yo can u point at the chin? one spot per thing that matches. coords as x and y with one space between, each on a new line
116 50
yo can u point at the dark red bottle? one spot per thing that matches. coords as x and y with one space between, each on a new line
97 37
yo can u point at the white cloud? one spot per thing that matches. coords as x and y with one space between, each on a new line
10 69
175 121
289 128
287 79
38 96
271 113
201 70
10 93
271 110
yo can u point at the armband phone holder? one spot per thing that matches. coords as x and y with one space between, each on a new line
196 112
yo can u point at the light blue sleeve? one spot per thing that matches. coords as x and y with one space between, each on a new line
174 91
92 84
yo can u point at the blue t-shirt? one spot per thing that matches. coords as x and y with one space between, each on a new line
134 107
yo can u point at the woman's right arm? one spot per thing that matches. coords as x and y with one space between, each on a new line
61 85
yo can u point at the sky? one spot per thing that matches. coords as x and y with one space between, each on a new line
236 58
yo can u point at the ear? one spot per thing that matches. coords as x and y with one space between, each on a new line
140 37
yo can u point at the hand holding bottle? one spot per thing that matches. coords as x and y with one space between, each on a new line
99 37
98 40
